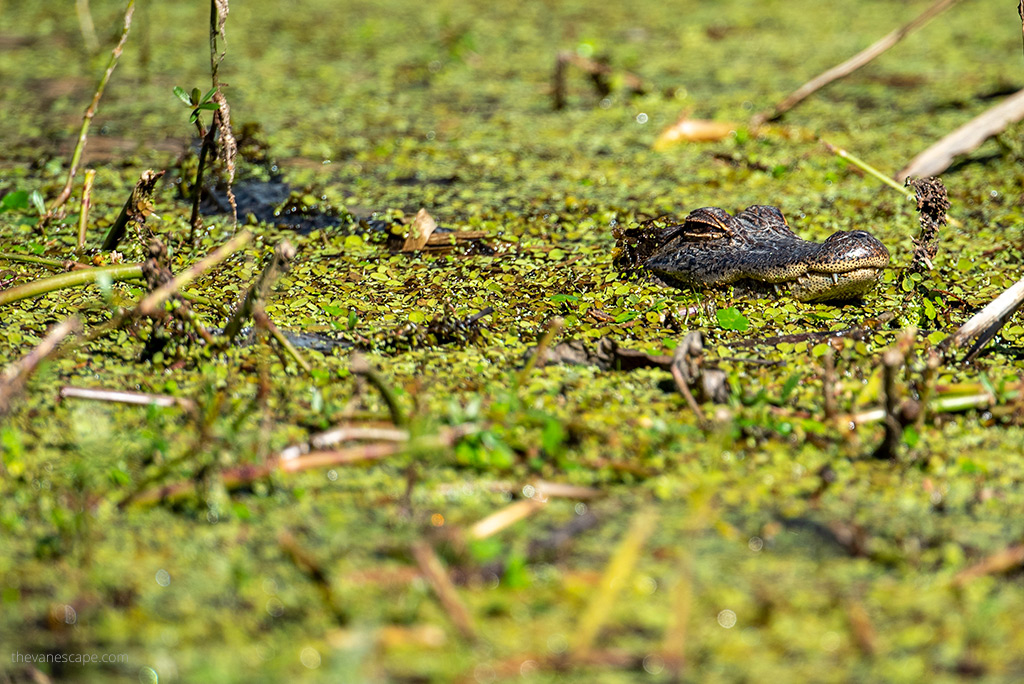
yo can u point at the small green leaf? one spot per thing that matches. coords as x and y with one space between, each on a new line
732 319
209 106
13 201
791 382
37 202
182 95
911 436
208 95
195 117
194 99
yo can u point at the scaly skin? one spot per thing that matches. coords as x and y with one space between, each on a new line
757 249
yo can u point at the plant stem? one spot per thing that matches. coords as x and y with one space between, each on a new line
87 276
196 221
83 216
76 157
872 171
43 261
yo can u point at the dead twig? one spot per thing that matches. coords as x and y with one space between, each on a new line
437 577
312 569
985 324
14 377
553 327
263 320
864 635
615 577
149 305
688 372
967 138
673 646
999 562
90 112
83 214
856 62
892 361
360 366
117 396
506 517
135 210
196 220
599 73
275 268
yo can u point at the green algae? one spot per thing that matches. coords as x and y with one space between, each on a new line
774 513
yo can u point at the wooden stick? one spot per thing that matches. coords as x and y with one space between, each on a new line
275 268
135 210
1000 561
136 398
505 517
90 112
83 215
149 305
60 281
619 568
856 62
14 377
985 324
967 138
892 359
437 577
553 327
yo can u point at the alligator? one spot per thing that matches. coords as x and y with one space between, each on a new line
757 251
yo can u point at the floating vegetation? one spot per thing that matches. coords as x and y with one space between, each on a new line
414 418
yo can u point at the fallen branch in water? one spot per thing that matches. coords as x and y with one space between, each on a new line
14 377
77 278
1009 558
117 396
598 71
437 577
856 62
275 268
987 323
967 138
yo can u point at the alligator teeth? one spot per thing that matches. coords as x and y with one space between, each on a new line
835 278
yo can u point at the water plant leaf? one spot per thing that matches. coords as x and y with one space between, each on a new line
732 319
182 95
